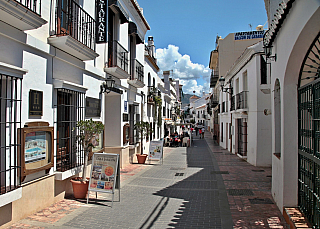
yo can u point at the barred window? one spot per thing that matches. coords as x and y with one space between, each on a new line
10 121
70 110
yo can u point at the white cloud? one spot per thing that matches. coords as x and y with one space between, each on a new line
191 85
183 69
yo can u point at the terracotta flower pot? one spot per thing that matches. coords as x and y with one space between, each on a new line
141 158
80 188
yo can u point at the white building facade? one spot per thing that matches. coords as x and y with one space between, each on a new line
55 63
245 123
292 43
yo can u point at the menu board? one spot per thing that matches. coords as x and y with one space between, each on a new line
103 172
155 150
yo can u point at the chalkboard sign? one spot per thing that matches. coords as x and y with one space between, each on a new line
93 107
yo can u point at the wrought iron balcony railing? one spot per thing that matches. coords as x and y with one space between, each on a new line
33 5
137 71
118 56
213 80
241 99
72 20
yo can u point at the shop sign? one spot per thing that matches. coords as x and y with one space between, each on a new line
248 35
35 102
125 106
101 21
93 107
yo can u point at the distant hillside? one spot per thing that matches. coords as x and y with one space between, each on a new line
185 100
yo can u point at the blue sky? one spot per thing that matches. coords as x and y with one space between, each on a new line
184 33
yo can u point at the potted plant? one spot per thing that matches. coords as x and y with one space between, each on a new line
86 133
144 129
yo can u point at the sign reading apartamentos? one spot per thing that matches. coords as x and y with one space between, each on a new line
248 35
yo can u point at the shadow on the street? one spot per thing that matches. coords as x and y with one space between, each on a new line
201 196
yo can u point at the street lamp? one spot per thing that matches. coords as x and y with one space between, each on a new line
228 90
107 85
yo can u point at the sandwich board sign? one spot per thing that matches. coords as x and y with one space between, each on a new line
156 150
104 173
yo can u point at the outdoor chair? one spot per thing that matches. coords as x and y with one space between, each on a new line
185 141
167 142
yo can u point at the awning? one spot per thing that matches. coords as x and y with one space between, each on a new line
116 7
133 30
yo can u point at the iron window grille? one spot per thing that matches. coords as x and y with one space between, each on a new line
72 20
70 110
232 103
223 107
10 110
242 137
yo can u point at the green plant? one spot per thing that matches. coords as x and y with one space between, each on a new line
157 111
85 134
144 129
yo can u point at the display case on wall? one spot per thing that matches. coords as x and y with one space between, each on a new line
36 139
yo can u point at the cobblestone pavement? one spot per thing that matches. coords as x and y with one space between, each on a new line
202 186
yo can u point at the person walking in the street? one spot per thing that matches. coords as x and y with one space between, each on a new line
197 129
202 132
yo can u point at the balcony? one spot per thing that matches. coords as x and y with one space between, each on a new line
117 60
213 80
22 14
152 92
241 99
74 31
137 74
214 102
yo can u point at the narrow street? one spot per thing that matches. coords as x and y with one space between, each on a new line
202 186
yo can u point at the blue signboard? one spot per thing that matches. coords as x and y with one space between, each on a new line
248 35
125 106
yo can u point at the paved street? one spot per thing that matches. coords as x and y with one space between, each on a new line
202 186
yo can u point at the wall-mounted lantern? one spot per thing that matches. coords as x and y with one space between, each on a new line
107 85
223 89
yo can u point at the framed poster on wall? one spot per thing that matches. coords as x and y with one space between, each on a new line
36 151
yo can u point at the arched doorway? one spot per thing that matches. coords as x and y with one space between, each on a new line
309 134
